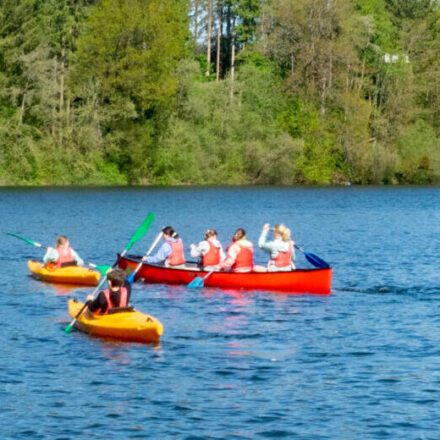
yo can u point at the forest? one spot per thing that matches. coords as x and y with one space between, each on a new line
219 92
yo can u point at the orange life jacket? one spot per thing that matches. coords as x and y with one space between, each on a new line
284 259
244 261
177 255
212 257
65 257
123 299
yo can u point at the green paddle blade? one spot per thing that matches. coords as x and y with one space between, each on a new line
103 269
141 231
68 329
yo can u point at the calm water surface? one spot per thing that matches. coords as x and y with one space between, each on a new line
362 363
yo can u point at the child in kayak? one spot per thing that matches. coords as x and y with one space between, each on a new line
210 250
62 255
117 294
171 253
281 249
240 254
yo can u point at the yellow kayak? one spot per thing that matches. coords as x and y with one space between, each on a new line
65 275
125 325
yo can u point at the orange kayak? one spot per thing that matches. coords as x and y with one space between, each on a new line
65 275
125 325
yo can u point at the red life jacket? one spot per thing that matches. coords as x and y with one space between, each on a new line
177 255
244 261
65 257
284 259
123 299
212 257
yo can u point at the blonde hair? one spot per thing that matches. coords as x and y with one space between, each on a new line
62 240
283 231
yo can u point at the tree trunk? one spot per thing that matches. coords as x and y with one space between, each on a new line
68 112
232 56
62 66
208 50
232 59
196 21
54 105
20 119
219 41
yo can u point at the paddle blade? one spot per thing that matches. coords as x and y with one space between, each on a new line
141 231
68 329
130 277
103 269
316 261
196 283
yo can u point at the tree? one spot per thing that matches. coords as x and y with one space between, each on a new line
128 55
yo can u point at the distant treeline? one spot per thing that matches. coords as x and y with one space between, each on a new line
219 91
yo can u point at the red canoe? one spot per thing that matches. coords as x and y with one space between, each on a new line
297 281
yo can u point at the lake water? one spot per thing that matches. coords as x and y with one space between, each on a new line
361 363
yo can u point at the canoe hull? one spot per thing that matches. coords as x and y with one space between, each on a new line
75 275
132 326
298 281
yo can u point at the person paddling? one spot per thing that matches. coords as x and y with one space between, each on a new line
240 254
171 253
62 255
117 294
281 249
210 250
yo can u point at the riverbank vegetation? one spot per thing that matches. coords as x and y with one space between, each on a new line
219 91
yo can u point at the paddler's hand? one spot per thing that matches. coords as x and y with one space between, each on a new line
89 298
266 227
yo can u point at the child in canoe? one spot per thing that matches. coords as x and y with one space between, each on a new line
210 250
117 294
62 255
240 254
171 253
281 249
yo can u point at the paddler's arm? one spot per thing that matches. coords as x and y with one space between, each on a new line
201 249
230 258
268 246
77 258
262 243
162 254
99 302
50 255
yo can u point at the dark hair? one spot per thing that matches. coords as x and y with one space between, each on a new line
116 277
169 230
210 233
239 233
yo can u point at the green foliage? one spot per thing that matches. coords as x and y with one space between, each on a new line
419 150
114 92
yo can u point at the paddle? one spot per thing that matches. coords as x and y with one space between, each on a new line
198 282
102 269
314 259
130 278
140 232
